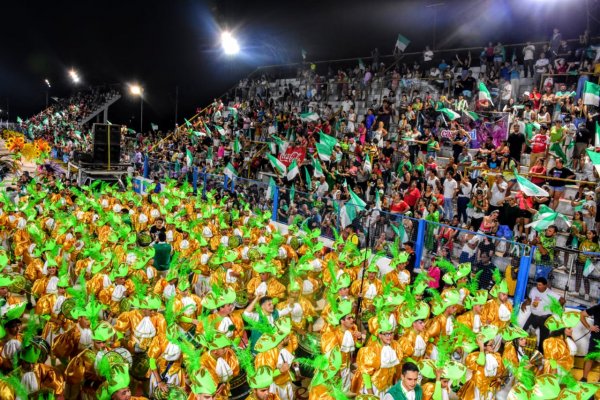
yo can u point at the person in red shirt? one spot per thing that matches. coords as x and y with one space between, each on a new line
539 144
412 195
535 96
399 206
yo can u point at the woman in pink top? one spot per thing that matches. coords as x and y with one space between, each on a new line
362 132
538 168
434 272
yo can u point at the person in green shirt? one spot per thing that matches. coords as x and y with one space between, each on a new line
162 253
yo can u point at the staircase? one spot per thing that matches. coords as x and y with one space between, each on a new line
101 109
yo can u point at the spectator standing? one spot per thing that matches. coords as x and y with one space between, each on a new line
450 191
516 143
540 68
528 54
540 300
427 58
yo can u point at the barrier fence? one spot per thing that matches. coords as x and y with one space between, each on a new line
375 229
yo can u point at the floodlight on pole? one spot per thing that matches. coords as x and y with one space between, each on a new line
47 82
74 76
137 90
229 43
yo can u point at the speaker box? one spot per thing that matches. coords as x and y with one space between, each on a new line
107 144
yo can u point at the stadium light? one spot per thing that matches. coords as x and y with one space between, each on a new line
137 90
47 82
74 76
229 43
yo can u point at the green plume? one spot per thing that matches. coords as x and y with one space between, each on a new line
594 355
554 307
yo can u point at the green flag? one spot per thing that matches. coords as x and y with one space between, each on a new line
307 177
484 93
591 94
230 171
293 170
277 165
292 193
327 139
529 188
472 115
188 123
351 209
236 146
271 189
318 170
401 43
324 151
189 157
220 130
452 115
597 136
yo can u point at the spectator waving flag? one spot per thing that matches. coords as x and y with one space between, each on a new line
402 43
230 171
594 158
484 93
293 170
472 115
277 165
324 151
154 126
271 189
591 94
529 188
546 217
308 181
351 209
318 172
236 146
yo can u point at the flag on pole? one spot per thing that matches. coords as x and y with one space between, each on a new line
594 158
591 94
400 231
452 115
209 153
309 117
293 170
154 126
402 43
236 146
597 136
472 115
351 209
281 144
220 130
327 139
189 157
271 188
19 120
318 172
529 188
206 127
361 64
484 93
546 217
187 123
230 171
367 167
377 200
307 178
292 193
234 113
324 151
277 165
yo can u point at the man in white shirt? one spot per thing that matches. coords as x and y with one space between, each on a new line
528 53
347 104
450 190
323 188
540 300
497 193
540 67
407 388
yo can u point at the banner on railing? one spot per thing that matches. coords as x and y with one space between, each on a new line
293 153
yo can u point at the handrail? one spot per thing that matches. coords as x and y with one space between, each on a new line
530 174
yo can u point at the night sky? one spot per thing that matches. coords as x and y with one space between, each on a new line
164 44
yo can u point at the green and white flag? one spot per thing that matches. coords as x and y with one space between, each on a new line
324 151
351 209
234 113
277 165
472 115
591 94
292 193
19 120
597 136
452 115
307 178
154 126
400 231
402 43
484 93
187 123
271 189
220 130
318 172
189 157
594 158
230 171
293 170
327 139
529 188
209 153
546 217
377 200
281 144
361 64
236 146
309 117
588 267
368 167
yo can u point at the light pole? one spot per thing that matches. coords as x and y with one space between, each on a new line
47 82
137 90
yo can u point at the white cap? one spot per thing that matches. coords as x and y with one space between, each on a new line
206 232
